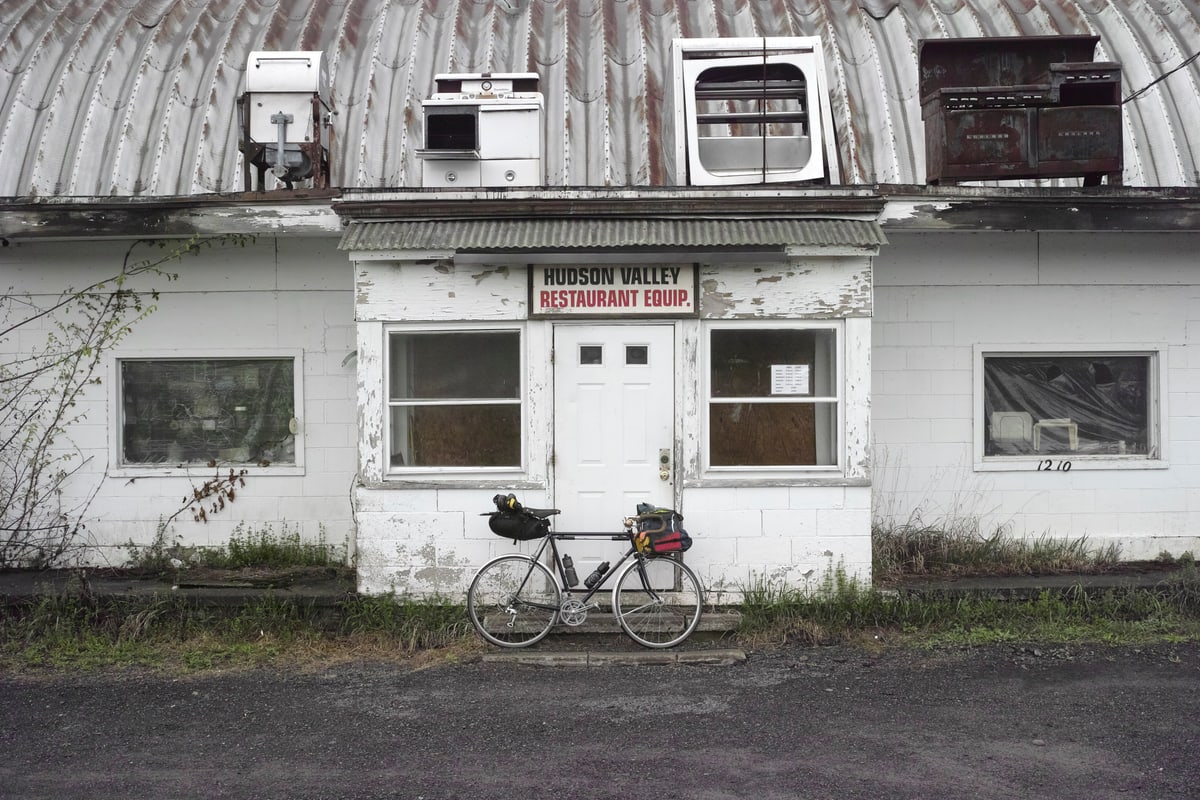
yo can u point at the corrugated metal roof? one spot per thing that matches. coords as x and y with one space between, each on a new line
138 97
604 234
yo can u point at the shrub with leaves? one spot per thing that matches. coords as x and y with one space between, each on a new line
42 386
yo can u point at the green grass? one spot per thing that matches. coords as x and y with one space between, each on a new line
78 631
842 610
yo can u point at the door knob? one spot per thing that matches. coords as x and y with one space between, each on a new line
664 465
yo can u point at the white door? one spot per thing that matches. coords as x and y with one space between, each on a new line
614 412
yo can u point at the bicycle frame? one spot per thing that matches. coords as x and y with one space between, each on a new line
551 541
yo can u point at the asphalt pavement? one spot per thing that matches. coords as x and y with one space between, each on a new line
989 723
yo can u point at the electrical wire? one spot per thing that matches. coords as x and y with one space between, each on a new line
1162 77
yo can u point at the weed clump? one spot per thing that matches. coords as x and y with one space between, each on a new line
247 548
914 548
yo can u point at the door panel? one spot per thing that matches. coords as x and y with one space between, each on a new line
614 410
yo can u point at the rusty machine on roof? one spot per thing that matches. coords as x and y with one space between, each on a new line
284 119
1020 107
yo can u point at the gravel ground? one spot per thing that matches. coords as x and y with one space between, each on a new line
1007 722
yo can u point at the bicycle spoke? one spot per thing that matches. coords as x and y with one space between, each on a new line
513 601
657 601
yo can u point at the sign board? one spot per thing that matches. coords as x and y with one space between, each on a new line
613 290
789 378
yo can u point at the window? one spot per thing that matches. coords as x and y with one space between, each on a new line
773 397
447 129
194 411
454 399
749 110
753 100
1069 404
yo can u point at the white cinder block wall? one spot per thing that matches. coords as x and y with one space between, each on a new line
940 297
428 538
275 296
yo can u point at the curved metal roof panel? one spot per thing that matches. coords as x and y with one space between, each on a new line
139 97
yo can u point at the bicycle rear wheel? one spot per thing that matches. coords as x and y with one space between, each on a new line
657 601
513 601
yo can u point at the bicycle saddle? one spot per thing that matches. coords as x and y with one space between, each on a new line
542 513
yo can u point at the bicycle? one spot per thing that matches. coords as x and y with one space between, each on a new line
515 599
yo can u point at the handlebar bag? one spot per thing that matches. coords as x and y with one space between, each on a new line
660 531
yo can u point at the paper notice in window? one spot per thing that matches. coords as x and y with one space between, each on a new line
789 379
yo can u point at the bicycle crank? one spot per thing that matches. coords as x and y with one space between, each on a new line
572 612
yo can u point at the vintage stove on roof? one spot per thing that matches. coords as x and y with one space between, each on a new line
1020 107
483 130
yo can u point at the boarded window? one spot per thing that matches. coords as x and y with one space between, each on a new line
1068 404
193 411
773 398
455 399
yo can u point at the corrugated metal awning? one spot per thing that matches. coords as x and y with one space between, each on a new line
507 235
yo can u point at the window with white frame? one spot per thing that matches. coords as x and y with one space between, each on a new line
454 399
181 411
774 395
1069 404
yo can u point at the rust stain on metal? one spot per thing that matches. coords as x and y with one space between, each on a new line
104 128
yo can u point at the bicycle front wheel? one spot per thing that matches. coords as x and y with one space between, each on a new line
513 601
657 601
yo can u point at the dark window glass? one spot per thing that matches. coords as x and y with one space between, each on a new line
194 411
773 398
1067 405
455 399
450 131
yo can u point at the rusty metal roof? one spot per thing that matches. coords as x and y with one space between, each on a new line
602 234
138 97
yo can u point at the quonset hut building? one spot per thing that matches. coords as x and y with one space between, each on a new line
794 268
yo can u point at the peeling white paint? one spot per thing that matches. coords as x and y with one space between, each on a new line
902 210
389 291
804 288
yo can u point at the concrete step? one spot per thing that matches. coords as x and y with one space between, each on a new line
604 622
723 657
601 621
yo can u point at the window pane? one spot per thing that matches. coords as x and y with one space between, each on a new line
772 434
759 100
591 354
196 411
637 355
742 361
443 366
456 436
1077 404
450 131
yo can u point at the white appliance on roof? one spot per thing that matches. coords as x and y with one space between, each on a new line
483 129
283 113
752 110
